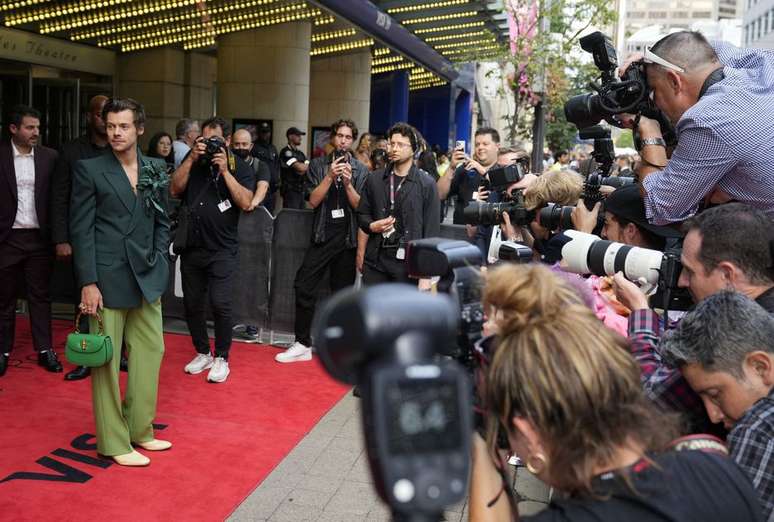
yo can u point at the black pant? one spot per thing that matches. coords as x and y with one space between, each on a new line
293 199
204 270
388 269
25 256
333 255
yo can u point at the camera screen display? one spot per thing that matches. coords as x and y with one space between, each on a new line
423 417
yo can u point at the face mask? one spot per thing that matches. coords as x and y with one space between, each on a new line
242 153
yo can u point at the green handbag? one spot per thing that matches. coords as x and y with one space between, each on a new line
92 350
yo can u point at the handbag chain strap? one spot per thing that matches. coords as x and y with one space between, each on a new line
99 320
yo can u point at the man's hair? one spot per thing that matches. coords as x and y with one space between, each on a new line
488 130
688 49
523 155
217 121
114 105
17 113
344 123
559 153
407 131
719 333
652 241
563 187
738 234
183 126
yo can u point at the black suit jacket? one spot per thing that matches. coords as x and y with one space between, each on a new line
45 159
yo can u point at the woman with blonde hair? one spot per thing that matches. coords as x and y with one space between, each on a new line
566 392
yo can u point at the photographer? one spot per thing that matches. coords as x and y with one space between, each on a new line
725 350
567 395
467 174
719 101
215 186
399 204
334 184
724 247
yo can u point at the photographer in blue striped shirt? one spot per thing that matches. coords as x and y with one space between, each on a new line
721 101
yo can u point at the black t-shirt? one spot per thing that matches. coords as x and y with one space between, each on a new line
684 486
267 153
291 180
336 201
209 227
260 168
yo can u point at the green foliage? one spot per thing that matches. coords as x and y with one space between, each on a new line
560 135
625 139
546 64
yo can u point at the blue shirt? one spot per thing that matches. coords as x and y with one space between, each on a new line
726 141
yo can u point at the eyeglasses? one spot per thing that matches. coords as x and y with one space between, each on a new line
396 145
651 57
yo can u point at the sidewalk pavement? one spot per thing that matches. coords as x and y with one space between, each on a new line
326 478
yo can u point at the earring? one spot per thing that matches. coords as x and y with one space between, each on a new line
542 463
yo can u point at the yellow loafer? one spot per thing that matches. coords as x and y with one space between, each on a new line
132 459
155 445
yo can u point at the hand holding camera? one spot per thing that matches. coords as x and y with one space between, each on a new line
583 219
220 159
199 149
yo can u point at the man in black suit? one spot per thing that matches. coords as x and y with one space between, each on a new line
25 238
92 144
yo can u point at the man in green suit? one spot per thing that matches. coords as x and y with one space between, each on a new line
119 230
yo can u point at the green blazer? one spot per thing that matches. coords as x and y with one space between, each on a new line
117 241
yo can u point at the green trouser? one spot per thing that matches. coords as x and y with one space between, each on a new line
118 425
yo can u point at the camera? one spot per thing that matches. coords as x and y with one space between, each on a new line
500 178
416 406
556 217
480 213
213 145
507 251
588 254
614 95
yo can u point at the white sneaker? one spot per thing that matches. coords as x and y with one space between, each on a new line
297 352
200 363
219 371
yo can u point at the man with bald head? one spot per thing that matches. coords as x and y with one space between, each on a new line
721 101
92 144
241 145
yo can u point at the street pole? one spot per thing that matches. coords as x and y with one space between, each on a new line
539 123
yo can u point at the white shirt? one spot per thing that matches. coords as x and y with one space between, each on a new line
181 148
24 165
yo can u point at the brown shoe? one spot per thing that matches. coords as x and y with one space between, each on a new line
131 459
154 445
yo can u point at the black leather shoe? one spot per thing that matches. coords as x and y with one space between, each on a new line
81 372
124 364
3 364
49 361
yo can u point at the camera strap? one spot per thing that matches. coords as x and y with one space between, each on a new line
393 191
714 77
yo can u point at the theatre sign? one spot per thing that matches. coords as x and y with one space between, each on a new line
41 50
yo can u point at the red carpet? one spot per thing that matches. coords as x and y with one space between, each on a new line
227 437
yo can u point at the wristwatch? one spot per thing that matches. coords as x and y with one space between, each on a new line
653 141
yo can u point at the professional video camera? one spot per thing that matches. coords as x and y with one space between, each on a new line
629 94
416 405
588 254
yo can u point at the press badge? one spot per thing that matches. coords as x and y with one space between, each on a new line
400 254
224 205
337 213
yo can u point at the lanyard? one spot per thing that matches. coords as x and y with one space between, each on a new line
394 192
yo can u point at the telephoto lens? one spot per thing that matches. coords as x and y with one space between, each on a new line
618 181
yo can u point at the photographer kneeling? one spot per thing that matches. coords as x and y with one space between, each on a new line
566 393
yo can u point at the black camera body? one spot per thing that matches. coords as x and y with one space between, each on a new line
481 213
390 340
500 178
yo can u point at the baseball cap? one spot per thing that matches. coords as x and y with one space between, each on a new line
626 202
264 127
295 130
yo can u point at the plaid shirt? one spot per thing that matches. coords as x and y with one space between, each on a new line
726 140
662 384
752 447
